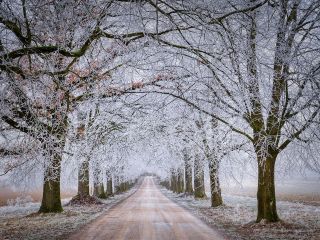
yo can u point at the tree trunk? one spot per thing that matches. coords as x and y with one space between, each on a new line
122 186
98 188
83 180
199 190
117 185
180 181
109 185
51 200
188 175
126 186
267 208
216 199
95 189
174 182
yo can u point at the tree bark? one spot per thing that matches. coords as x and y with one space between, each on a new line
199 190
267 209
51 200
173 181
117 185
180 181
126 186
188 174
83 180
98 188
122 185
109 185
100 191
216 199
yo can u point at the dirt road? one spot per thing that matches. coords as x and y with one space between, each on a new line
147 215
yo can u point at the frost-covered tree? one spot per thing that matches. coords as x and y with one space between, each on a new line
54 56
259 68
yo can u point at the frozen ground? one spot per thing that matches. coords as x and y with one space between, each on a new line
301 220
236 216
21 221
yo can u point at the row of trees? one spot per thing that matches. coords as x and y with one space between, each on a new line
197 143
256 73
248 69
57 58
